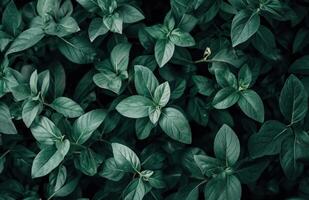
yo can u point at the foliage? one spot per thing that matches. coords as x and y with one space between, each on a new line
136 99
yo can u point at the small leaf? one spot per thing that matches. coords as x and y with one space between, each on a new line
30 110
162 94
145 81
114 22
96 29
6 124
181 38
125 158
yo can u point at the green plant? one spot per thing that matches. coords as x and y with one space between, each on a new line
133 99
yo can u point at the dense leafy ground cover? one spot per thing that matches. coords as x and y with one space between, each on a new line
132 99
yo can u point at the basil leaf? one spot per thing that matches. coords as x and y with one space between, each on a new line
135 190
86 124
293 101
134 106
48 159
181 38
244 25
225 98
162 94
96 29
175 125
6 124
30 110
164 50
226 145
111 170
67 107
145 81
120 57
125 158
130 14
11 19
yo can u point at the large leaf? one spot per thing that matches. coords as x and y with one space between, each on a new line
175 125
244 25
293 101
134 106
226 145
125 158
86 124
49 158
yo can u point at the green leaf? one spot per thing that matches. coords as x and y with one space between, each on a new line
125 158
25 40
108 80
225 78
34 82
209 166
87 162
67 107
181 38
90 5
120 57
6 124
244 77
111 171
145 81
44 81
114 22
44 7
268 140
157 31
49 158
86 124
130 14
290 152
252 105
77 49
300 66
223 187
162 94
66 26
11 19
164 50
45 131
30 110
226 145
225 98
134 106
143 127
293 100
244 25
154 114
135 190
203 84
96 29
175 125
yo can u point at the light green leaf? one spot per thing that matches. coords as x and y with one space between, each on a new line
175 125
162 94
164 50
130 14
111 171
244 77
45 7
25 40
154 114
145 81
134 106
6 124
86 124
67 26
181 38
96 29
49 158
30 110
209 166
108 80
120 57
125 158
45 131
114 22
135 190
67 107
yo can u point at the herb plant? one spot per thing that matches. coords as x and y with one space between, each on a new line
151 100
